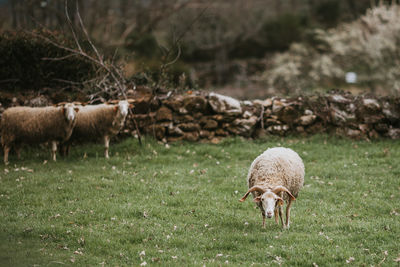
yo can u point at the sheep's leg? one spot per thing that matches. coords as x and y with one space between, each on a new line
106 146
262 213
280 215
276 215
53 150
17 149
64 149
263 223
280 211
6 151
288 213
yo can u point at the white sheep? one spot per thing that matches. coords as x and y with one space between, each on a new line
101 121
275 171
37 125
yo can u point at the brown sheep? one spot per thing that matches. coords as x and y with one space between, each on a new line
101 121
27 125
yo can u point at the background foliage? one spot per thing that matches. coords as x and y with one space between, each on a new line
28 62
243 48
368 46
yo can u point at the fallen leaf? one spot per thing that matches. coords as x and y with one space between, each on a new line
81 241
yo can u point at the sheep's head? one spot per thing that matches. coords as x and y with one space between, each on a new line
269 198
69 110
123 108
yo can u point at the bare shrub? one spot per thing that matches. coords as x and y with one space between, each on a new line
368 46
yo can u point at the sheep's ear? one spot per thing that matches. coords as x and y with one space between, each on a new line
131 105
280 201
257 199
76 110
115 108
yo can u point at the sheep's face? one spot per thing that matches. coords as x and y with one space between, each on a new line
69 111
123 107
269 202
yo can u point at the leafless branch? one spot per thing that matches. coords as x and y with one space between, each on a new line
110 80
59 58
176 42
100 57
71 26
175 59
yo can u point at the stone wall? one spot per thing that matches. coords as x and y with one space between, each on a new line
201 116
209 117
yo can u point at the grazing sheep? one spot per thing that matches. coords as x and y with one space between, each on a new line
37 125
275 171
101 121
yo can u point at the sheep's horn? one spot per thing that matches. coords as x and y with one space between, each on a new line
61 104
113 101
77 103
254 188
131 101
280 188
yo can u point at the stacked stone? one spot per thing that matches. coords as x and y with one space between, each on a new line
210 117
198 116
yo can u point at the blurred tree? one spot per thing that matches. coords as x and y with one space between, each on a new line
368 46
227 31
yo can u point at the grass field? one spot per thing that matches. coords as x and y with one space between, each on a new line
178 206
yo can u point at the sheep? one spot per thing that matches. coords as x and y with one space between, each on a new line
32 125
275 171
98 121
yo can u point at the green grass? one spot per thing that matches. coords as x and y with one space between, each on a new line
178 206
